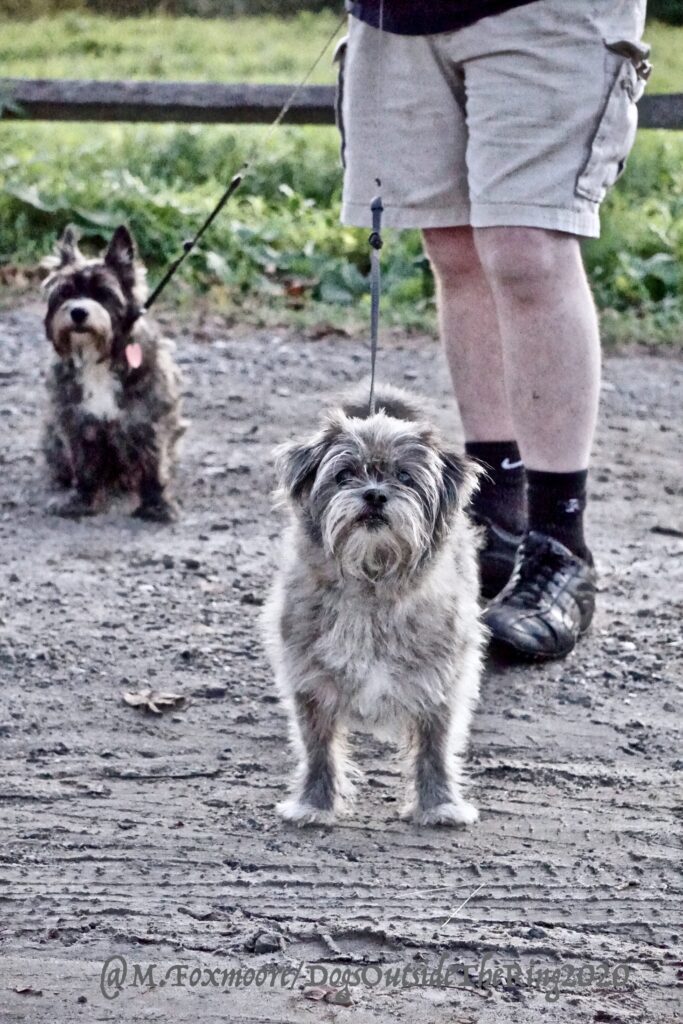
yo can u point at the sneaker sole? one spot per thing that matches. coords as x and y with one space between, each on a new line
505 651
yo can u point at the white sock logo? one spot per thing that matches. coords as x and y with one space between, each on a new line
506 464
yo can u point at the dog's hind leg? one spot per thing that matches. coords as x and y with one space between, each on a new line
321 784
438 799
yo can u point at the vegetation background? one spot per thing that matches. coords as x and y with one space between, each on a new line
279 252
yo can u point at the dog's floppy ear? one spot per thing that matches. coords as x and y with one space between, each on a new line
121 253
297 464
67 250
459 480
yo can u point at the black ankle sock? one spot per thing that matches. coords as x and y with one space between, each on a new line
556 502
501 493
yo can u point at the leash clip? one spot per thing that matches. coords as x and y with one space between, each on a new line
377 209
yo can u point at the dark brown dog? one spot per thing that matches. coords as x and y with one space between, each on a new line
114 418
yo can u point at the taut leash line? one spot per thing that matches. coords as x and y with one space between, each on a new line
376 244
375 239
190 244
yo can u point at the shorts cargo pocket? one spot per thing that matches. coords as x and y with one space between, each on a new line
340 59
628 70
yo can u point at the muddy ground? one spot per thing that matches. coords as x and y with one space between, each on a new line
155 839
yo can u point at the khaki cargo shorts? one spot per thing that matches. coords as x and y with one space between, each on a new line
525 118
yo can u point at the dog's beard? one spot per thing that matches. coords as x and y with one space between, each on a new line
386 545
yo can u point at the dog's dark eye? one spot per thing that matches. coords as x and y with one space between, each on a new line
104 297
343 476
65 293
404 477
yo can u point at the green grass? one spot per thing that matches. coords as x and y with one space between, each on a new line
666 42
265 49
77 45
278 252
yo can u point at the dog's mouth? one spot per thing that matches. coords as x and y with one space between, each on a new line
372 518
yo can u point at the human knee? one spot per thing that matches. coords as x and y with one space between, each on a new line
452 253
524 262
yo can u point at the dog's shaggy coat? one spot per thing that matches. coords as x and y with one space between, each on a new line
373 618
113 422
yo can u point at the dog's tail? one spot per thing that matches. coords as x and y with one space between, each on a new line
392 401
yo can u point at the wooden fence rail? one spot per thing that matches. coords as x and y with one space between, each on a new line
211 102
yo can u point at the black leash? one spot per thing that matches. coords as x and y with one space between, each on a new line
376 208
190 243
375 239
376 244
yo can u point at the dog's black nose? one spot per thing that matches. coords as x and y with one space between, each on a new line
375 497
79 315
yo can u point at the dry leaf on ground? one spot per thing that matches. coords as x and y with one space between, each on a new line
329 994
153 700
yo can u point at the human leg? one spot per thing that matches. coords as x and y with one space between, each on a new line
468 325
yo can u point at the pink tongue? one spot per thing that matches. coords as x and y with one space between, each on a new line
134 355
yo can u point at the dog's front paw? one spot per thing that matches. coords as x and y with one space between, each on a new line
73 508
455 812
157 512
301 813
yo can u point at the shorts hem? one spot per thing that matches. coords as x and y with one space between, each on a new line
358 215
585 223
552 218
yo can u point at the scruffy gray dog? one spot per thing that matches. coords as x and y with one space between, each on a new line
114 409
373 619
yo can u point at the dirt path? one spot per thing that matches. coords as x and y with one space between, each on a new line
155 839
